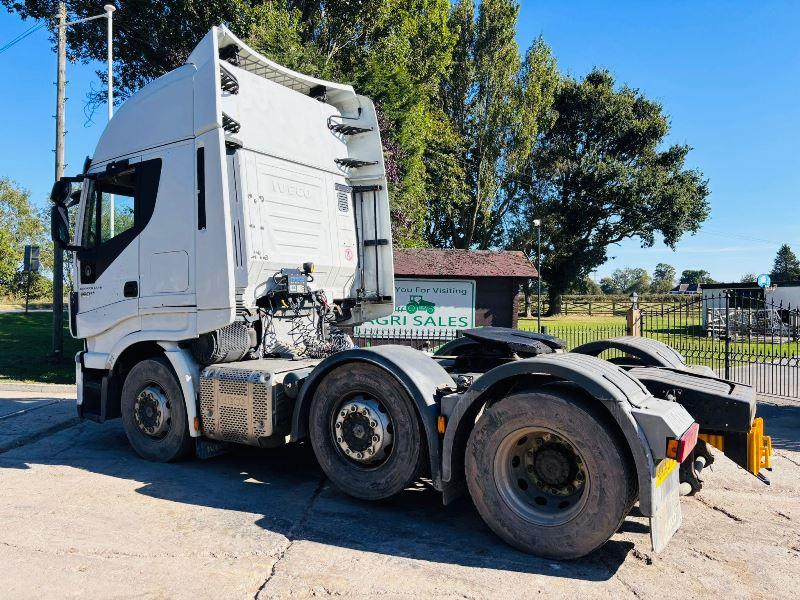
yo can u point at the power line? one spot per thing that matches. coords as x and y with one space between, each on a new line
21 37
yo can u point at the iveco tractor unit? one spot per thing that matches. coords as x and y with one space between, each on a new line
230 227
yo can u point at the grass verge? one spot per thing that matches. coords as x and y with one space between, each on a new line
26 347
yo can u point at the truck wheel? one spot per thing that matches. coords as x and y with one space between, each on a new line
547 475
154 412
365 432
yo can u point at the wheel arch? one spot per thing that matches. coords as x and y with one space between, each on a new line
651 353
595 379
181 362
420 376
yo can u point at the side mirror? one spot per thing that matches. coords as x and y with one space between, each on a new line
59 228
59 225
62 189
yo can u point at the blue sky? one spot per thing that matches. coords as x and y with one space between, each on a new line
727 73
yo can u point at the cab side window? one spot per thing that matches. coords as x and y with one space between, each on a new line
112 207
118 206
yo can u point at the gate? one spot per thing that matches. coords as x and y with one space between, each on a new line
741 334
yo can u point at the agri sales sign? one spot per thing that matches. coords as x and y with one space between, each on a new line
426 306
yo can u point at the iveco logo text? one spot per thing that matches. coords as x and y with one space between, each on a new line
291 189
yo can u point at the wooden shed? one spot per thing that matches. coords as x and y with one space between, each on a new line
497 276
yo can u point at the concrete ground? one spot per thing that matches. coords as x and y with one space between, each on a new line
83 516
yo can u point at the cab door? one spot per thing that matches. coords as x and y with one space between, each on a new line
117 205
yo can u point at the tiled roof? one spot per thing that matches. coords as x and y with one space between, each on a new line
437 262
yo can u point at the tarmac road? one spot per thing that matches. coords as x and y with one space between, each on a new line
83 516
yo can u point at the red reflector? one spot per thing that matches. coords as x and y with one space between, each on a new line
680 449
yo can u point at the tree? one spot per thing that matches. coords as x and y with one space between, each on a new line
626 281
586 287
609 286
20 224
493 104
663 278
598 176
748 278
786 266
696 276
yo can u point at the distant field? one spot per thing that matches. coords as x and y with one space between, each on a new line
684 333
573 321
25 347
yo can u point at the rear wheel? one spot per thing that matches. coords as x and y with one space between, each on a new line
547 474
154 412
365 432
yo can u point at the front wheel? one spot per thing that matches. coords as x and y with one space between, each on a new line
547 474
154 412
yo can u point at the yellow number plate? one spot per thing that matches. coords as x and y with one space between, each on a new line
663 469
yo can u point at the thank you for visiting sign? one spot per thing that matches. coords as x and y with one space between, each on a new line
427 305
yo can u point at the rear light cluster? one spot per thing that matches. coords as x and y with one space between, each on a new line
681 448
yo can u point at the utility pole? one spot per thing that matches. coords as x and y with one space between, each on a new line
61 83
58 254
538 224
110 8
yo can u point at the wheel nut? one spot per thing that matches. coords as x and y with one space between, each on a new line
373 423
375 438
339 440
343 413
338 425
360 455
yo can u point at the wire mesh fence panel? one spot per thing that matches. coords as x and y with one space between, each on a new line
741 334
421 340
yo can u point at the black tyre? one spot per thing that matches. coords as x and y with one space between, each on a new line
365 432
154 412
547 474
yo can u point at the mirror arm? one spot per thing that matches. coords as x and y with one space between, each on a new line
70 248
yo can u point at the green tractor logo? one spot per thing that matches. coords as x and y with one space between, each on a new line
419 303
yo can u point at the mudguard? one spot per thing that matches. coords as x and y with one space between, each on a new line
651 353
421 377
646 422
524 343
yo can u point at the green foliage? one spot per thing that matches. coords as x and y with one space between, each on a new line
626 281
20 225
586 287
786 266
601 177
697 276
495 104
748 278
663 278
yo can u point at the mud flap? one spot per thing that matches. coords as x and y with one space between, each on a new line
667 516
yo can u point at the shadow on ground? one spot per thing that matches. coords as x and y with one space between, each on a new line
287 488
782 423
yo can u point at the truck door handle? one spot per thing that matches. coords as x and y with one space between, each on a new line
131 289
